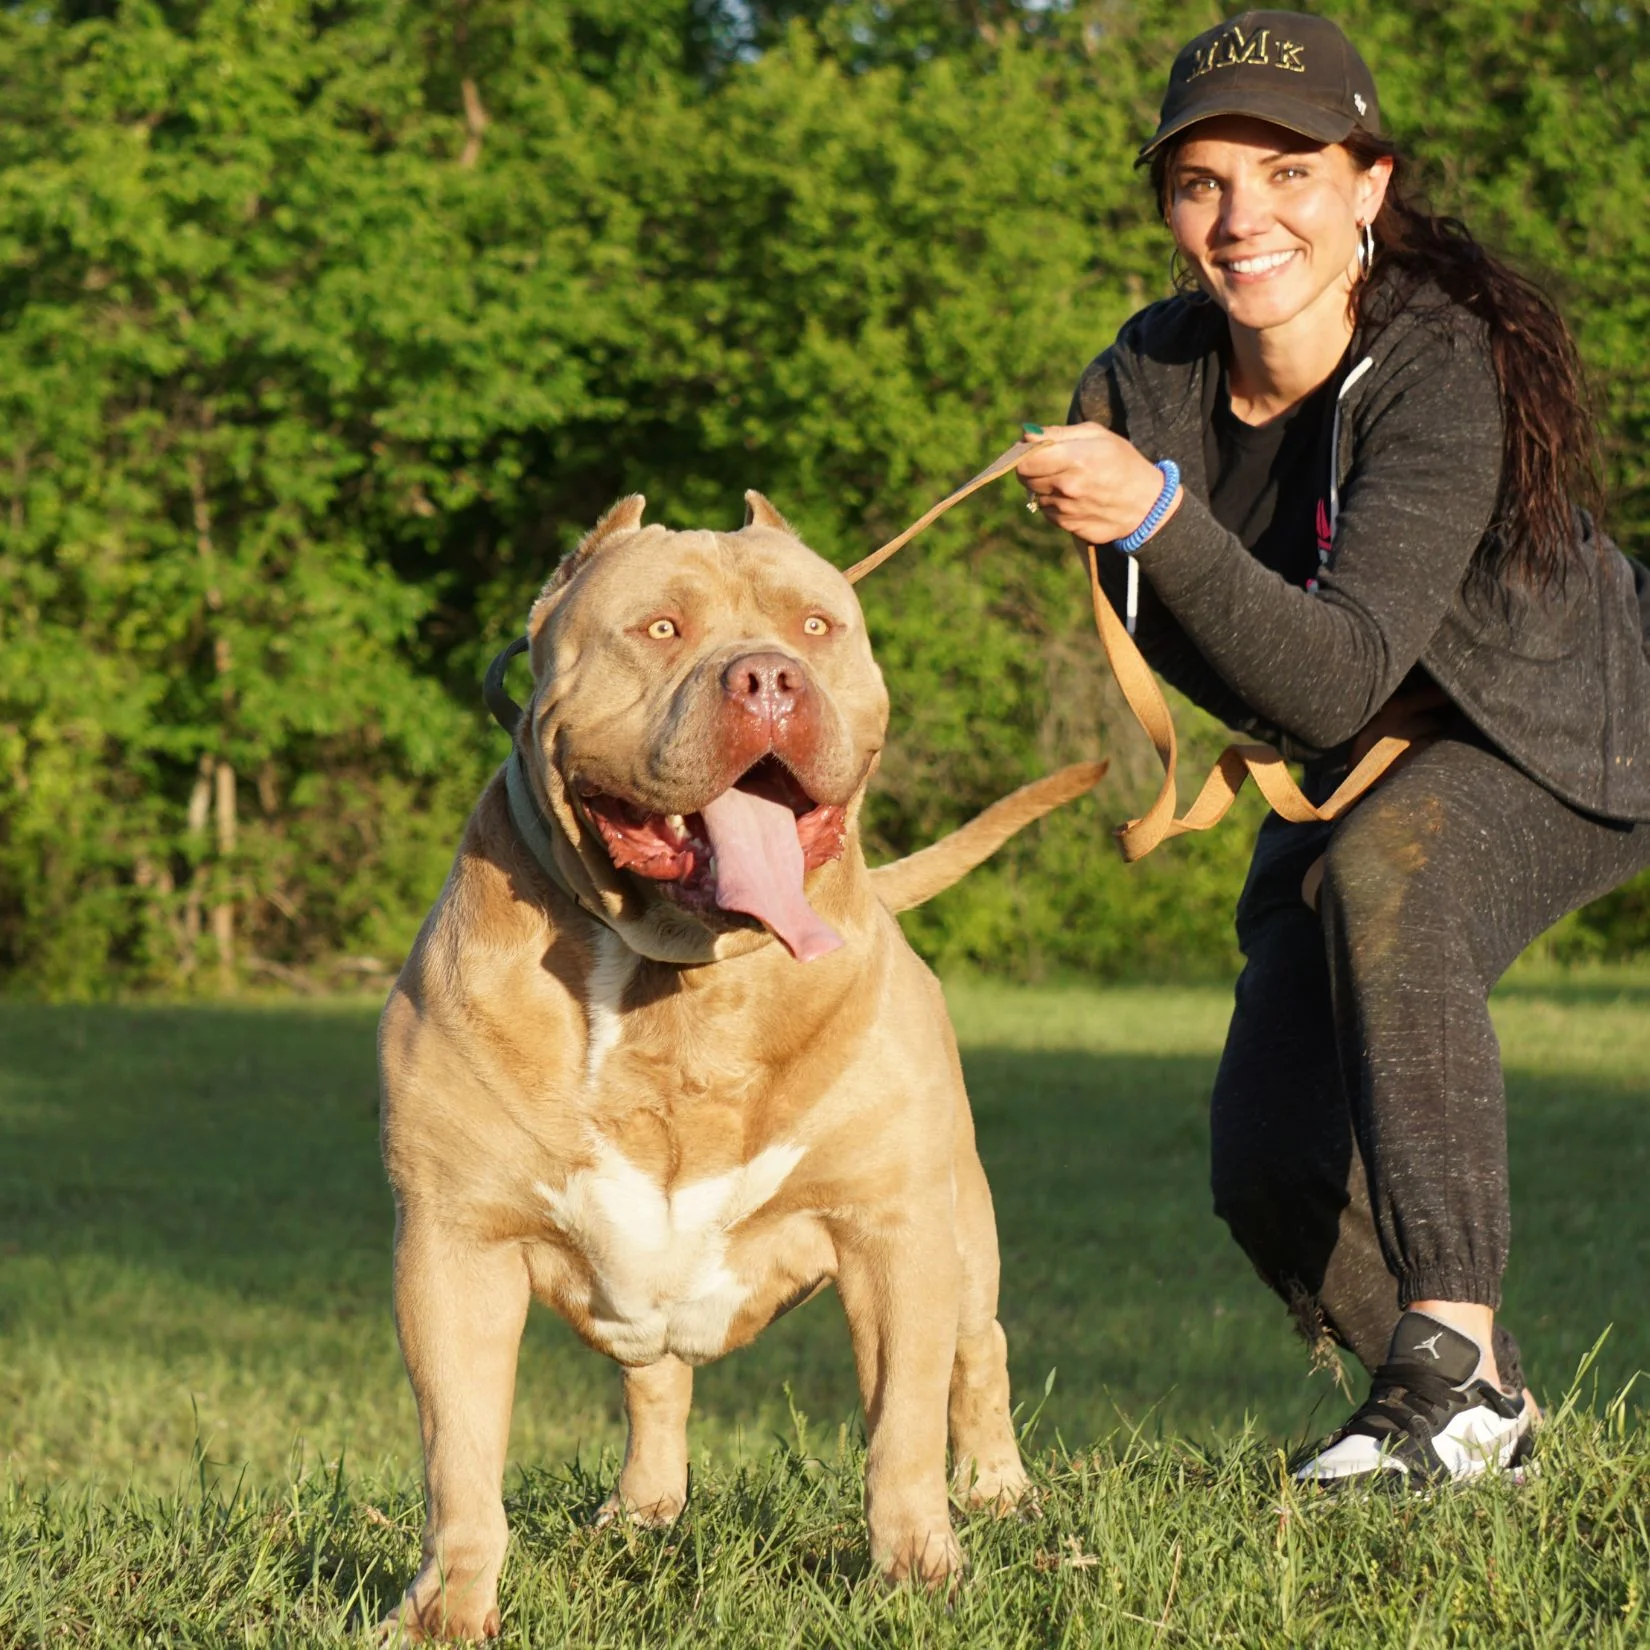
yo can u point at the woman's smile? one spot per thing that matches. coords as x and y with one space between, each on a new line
1259 266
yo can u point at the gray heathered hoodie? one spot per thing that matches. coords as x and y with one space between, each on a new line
1559 683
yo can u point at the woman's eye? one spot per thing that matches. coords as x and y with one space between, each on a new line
661 630
815 625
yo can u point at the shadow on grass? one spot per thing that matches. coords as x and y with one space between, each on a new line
227 1158
1603 987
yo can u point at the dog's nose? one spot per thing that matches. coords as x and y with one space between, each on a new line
765 684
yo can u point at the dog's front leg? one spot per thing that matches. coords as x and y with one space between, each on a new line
459 1310
899 1289
652 1485
985 1453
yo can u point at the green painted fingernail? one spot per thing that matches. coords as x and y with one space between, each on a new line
1032 429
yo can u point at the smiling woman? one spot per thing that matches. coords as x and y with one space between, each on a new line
1349 461
1272 222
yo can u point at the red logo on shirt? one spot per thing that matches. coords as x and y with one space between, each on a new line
1325 543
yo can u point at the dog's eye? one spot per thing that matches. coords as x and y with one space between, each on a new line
661 630
815 625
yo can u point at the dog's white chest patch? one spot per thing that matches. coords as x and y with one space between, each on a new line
613 969
662 1282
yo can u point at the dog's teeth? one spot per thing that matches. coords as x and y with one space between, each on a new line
678 826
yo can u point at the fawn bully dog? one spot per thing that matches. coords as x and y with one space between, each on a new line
662 1059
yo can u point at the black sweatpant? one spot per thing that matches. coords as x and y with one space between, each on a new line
1358 1120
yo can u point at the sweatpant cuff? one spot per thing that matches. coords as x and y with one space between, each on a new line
1474 1288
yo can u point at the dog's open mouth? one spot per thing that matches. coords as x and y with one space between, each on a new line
746 851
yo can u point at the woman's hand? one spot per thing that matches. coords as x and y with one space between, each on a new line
1419 715
1092 483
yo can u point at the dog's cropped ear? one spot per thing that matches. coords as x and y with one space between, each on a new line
624 517
760 513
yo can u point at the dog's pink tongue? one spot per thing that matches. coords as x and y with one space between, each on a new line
759 871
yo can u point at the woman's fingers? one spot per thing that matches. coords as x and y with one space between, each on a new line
1062 432
1090 481
1069 447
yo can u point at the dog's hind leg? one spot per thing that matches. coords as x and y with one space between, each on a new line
985 1455
652 1487
459 1309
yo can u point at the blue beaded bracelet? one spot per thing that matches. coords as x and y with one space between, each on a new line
1154 516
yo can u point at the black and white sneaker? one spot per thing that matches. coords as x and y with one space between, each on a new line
1429 1417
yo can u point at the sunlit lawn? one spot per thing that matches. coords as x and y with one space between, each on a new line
194 1261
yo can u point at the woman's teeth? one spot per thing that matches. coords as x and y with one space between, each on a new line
1261 265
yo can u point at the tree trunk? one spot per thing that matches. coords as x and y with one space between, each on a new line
476 122
223 913
200 810
216 770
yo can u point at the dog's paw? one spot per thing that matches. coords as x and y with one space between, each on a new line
436 1622
1001 1486
930 1557
647 1512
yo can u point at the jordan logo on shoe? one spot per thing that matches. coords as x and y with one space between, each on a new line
1430 1344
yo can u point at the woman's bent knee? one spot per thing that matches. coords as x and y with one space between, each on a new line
1387 859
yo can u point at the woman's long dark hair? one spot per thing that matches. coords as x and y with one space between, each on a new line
1550 444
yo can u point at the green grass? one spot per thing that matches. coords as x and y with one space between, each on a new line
205 1435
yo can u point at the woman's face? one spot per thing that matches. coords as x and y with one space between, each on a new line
1270 220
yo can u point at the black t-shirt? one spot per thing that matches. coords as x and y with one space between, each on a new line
1267 482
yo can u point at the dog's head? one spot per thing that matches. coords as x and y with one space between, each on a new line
705 716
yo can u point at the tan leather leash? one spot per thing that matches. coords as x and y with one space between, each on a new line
1145 699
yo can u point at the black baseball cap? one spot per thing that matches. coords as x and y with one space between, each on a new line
1295 71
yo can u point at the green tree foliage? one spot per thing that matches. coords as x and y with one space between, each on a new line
325 330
